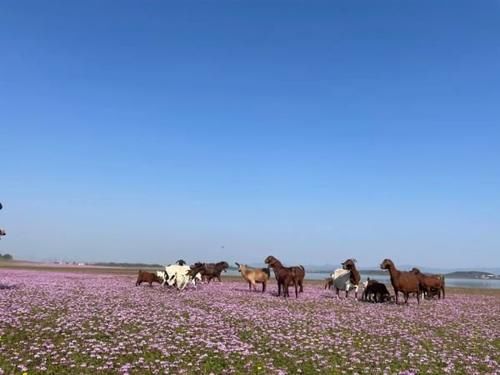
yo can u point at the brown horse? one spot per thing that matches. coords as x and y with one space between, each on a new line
285 276
405 282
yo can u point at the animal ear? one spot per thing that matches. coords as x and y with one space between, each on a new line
237 264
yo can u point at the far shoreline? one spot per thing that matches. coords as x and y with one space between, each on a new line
131 271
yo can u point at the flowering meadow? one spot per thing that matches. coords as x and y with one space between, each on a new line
62 322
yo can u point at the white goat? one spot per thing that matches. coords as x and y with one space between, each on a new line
342 281
179 275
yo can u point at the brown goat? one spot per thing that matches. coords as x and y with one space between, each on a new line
285 276
210 271
254 276
405 282
147 277
299 271
430 283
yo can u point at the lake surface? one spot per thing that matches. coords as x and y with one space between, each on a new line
458 283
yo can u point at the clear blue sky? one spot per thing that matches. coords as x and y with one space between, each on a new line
315 131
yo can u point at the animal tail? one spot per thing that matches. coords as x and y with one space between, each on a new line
267 271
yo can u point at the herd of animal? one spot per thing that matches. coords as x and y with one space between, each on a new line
347 278
181 275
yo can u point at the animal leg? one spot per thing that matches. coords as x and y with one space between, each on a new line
279 289
285 289
249 286
263 287
296 290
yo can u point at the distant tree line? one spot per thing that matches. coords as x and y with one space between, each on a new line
6 257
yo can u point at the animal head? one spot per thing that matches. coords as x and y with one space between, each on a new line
386 264
180 262
222 265
2 232
416 271
349 264
241 267
270 260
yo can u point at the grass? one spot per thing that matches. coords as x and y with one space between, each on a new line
98 322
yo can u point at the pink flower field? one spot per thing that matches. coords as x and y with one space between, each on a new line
59 322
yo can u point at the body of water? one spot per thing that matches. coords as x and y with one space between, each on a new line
458 283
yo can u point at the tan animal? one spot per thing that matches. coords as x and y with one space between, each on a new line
254 276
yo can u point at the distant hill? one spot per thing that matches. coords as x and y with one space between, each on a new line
472 275
404 267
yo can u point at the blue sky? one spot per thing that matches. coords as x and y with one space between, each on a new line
314 131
